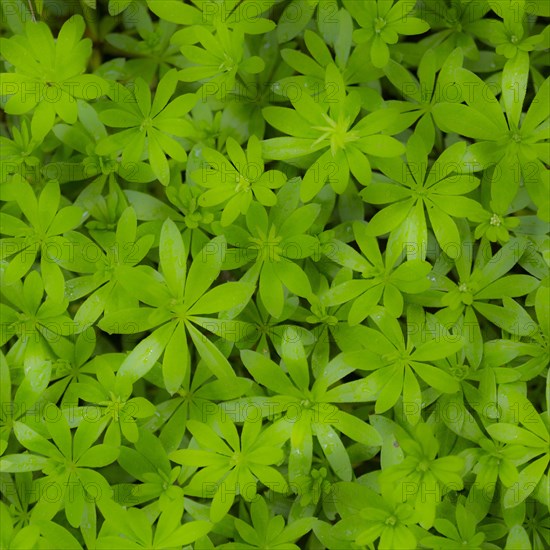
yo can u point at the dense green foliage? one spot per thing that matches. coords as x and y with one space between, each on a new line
274 274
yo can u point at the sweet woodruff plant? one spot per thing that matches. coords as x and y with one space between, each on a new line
274 274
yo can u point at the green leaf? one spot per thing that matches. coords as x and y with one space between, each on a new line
538 110
212 356
56 535
58 427
158 161
437 378
334 450
528 479
446 231
510 433
381 146
435 349
293 20
292 277
511 285
23 463
271 290
299 460
389 218
176 12
512 317
403 80
294 357
222 298
173 258
379 53
356 429
205 269
514 85
144 356
389 393
144 286
267 373
464 120
186 534
412 397
364 305
98 456
34 441
176 359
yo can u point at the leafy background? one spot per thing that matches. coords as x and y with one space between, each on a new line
274 274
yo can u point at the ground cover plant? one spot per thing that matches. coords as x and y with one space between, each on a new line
274 274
